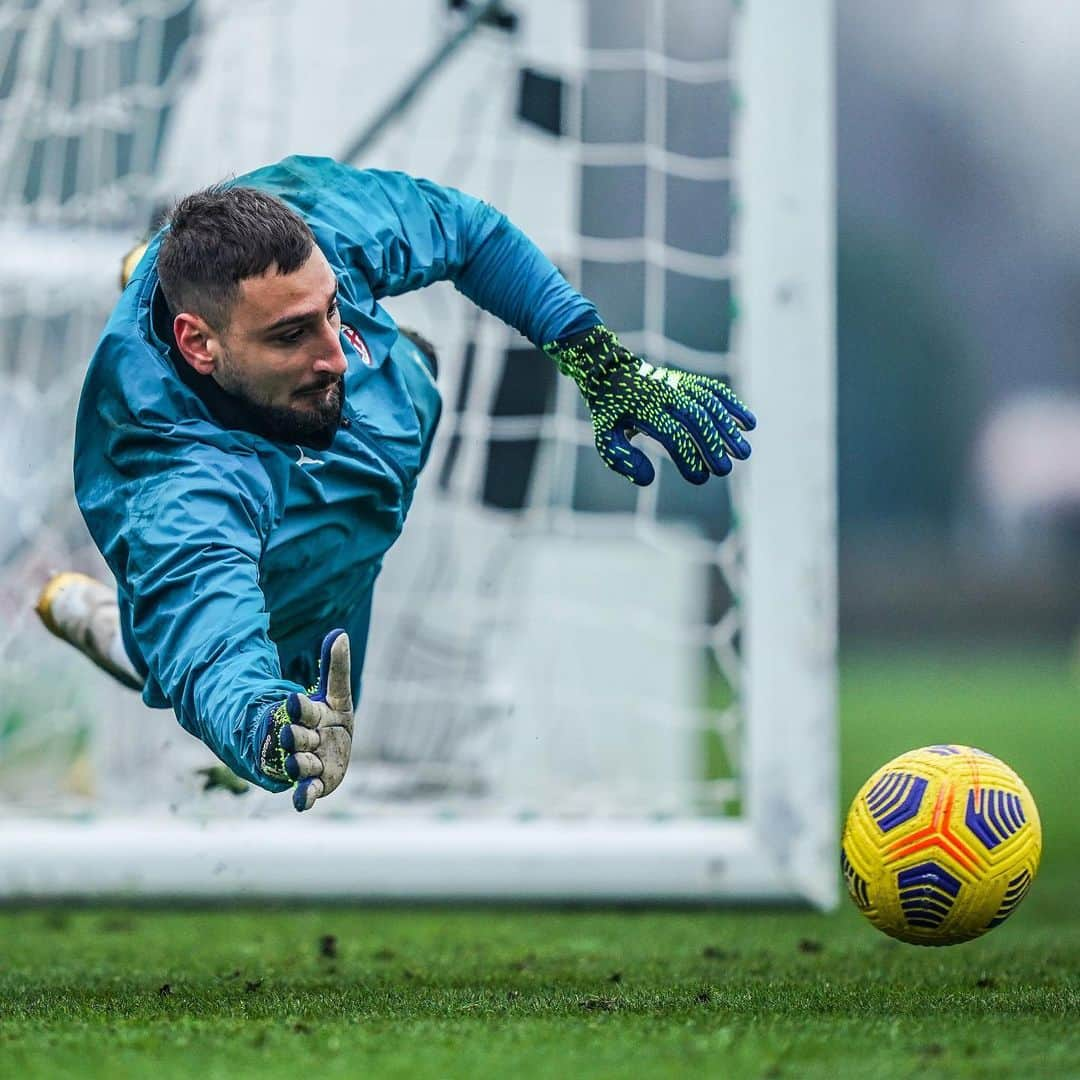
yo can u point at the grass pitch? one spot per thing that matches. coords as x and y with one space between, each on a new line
490 992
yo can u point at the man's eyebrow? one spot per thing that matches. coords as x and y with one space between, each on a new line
300 317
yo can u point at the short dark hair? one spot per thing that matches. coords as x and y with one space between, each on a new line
219 237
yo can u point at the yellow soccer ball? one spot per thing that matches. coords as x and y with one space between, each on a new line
941 844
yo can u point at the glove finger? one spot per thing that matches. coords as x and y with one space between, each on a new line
303 710
697 421
339 679
305 793
708 398
732 403
681 448
301 766
737 445
617 453
325 651
296 737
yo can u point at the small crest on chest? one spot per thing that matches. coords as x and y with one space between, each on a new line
353 337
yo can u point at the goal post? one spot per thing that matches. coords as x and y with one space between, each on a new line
789 334
574 689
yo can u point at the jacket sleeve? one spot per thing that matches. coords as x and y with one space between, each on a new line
405 233
187 554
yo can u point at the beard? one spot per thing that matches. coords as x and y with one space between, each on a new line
314 424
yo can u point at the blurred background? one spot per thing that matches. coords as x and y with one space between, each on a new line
958 320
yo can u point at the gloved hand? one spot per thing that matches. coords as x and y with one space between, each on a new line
308 737
696 418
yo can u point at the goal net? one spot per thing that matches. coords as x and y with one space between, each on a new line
573 688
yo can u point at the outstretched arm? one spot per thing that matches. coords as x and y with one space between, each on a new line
185 545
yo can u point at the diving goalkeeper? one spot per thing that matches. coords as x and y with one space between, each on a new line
251 430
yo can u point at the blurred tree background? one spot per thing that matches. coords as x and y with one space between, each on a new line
958 270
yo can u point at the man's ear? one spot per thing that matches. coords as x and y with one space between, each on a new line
196 340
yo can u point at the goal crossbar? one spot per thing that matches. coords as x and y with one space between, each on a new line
394 860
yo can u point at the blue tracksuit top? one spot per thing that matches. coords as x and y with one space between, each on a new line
232 557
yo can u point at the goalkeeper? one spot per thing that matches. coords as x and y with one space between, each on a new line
252 426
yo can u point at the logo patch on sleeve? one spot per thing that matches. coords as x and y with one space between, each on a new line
357 342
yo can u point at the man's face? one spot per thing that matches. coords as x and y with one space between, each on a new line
281 353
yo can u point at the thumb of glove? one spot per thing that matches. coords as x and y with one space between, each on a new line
335 673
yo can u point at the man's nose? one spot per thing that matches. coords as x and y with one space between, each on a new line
331 356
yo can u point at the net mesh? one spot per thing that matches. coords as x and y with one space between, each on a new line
84 100
546 639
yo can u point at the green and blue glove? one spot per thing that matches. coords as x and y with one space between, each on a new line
308 737
696 418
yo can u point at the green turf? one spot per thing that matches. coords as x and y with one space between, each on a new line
495 992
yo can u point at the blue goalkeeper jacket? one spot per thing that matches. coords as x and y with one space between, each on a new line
234 554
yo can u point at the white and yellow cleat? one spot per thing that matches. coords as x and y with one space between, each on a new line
82 611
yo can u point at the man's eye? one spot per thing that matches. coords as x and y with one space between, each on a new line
332 310
292 337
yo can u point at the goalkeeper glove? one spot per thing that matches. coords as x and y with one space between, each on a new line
308 737
696 418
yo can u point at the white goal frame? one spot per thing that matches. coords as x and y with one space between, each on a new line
783 847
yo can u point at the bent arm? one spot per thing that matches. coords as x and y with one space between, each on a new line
405 233
459 238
